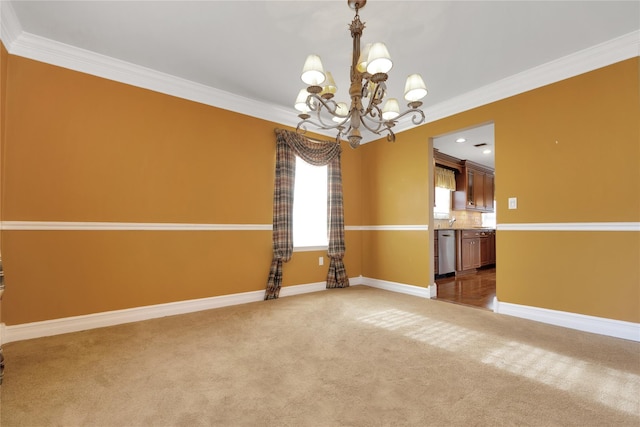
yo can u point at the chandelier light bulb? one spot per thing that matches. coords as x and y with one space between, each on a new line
301 101
379 60
391 109
414 88
312 72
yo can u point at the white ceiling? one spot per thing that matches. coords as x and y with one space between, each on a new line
255 49
476 140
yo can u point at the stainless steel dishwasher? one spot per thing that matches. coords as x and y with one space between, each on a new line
446 252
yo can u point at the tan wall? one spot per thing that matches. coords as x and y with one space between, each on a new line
396 192
82 148
4 60
592 174
3 90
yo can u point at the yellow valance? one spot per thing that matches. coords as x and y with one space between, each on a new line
445 178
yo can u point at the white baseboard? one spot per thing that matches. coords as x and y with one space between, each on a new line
597 325
65 325
397 287
110 318
287 291
433 291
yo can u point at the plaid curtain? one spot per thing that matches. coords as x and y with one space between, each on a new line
288 145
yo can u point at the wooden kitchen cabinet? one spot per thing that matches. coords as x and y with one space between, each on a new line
468 250
470 256
492 248
474 188
476 248
485 251
489 189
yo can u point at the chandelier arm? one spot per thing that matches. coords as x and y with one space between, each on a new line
418 116
303 123
325 125
302 128
380 125
375 117
384 126
391 137
330 105
320 124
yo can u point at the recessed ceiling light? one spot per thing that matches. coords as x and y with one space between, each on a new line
486 151
459 140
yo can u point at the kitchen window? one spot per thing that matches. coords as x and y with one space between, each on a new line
442 208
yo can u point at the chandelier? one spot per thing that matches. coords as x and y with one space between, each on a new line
369 69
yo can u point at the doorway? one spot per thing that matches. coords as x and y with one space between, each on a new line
472 284
477 289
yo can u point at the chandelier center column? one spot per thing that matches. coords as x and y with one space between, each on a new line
355 90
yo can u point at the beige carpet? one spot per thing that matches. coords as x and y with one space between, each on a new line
344 357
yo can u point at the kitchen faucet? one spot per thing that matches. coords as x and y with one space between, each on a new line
451 221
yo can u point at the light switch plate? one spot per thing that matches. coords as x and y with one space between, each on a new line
513 203
321 260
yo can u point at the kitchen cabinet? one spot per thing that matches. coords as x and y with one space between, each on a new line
470 254
468 250
492 248
474 188
487 249
476 248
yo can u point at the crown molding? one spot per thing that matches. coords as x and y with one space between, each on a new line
10 28
21 43
592 58
63 55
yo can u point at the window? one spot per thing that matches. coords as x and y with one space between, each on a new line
489 218
310 206
442 208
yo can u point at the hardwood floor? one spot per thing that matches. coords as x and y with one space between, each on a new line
477 289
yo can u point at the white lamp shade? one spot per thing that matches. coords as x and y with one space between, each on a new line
391 109
379 60
301 101
312 72
364 56
329 84
342 111
414 88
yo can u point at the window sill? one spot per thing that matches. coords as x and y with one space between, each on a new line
310 248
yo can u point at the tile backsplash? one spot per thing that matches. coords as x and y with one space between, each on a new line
464 219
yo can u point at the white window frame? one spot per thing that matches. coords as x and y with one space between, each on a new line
310 207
